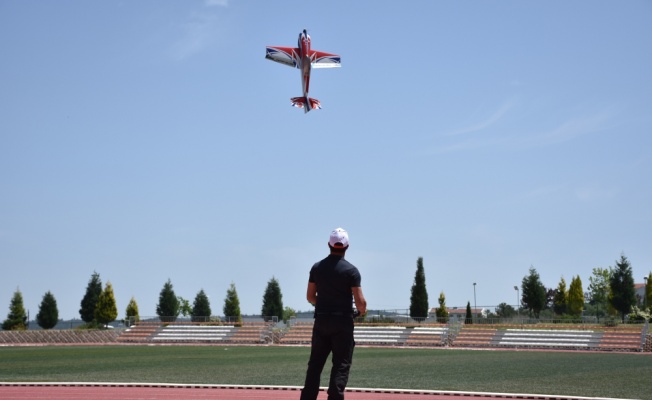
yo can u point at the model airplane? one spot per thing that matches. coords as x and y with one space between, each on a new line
305 59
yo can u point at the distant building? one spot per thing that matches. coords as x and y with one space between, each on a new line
639 290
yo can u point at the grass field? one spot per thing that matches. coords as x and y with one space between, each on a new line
554 373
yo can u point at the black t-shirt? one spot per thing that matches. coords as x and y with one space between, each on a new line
334 277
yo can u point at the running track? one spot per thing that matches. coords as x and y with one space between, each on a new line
112 391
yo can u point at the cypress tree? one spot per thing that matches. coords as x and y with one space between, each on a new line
272 301
469 314
48 313
17 318
232 305
560 300
419 296
106 309
168 303
132 312
575 297
88 303
201 308
623 294
442 311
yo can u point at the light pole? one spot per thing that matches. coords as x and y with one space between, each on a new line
645 293
518 309
475 305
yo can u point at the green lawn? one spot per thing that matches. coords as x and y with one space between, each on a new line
553 373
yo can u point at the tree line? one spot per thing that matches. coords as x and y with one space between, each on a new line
98 306
610 292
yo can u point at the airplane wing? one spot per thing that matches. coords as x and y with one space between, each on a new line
284 55
321 59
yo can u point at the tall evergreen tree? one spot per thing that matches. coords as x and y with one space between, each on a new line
560 299
599 290
17 317
106 309
201 307
132 315
48 313
623 294
93 290
575 297
469 314
232 305
272 301
442 312
419 296
533 293
168 303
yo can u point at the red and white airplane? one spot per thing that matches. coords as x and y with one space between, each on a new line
305 59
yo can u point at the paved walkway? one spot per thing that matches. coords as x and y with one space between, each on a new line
106 391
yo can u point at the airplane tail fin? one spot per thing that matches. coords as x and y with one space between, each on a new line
307 103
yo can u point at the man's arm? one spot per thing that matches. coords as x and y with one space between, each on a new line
311 293
360 302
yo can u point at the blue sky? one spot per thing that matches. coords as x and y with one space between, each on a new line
151 140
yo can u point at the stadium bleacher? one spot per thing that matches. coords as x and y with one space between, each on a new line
66 336
428 336
548 336
628 340
551 338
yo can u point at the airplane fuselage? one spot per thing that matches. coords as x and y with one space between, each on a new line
306 65
305 59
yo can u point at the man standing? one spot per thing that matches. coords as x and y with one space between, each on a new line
333 281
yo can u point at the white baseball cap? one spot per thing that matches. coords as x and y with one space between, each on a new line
339 238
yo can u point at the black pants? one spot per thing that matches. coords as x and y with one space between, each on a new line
330 334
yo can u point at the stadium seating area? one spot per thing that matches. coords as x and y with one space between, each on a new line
58 337
376 335
623 338
631 339
246 333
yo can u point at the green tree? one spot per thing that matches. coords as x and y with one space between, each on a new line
442 312
272 301
168 303
533 293
576 297
17 317
132 312
419 295
599 290
201 307
623 294
48 313
184 306
106 309
232 305
88 303
504 310
288 314
469 314
560 299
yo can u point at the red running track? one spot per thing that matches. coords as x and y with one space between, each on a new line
106 391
